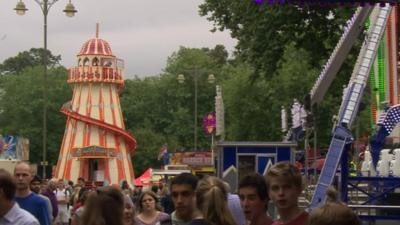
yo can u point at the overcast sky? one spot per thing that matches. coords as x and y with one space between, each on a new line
141 32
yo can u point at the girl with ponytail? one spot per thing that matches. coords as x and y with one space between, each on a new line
212 203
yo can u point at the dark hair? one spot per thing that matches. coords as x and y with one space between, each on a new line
151 194
83 196
36 178
185 178
7 184
124 184
104 206
154 188
256 181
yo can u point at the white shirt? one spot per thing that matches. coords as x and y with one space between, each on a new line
18 216
62 194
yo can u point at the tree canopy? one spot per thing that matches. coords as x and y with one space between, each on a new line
21 108
26 59
160 110
284 47
263 31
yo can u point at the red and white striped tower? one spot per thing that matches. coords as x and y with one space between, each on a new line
95 144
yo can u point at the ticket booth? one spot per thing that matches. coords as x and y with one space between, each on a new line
236 159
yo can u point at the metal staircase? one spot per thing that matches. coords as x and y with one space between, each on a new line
350 104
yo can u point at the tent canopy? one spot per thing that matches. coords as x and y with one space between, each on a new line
144 179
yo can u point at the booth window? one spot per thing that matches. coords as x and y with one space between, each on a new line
246 165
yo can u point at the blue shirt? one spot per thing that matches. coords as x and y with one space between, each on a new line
36 206
18 216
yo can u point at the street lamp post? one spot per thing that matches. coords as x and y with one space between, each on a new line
181 79
45 6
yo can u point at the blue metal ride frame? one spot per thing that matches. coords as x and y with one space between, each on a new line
348 110
344 169
381 187
375 218
341 138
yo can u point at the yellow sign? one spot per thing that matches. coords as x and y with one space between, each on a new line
191 158
93 152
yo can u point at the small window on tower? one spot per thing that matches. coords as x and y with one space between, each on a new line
86 62
95 62
106 62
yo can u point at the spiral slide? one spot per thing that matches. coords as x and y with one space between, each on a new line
130 140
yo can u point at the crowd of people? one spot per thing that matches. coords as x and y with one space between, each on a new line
186 200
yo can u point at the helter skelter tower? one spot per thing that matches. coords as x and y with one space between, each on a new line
95 144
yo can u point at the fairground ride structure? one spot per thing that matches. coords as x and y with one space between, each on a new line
96 145
380 35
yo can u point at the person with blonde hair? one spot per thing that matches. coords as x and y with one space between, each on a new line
332 195
212 203
333 213
284 184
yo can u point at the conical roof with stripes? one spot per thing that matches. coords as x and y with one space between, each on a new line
96 46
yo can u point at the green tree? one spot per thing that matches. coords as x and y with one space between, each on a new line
25 59
253 109
21 108
146 153
193 63
218 53
264 30
266 36
162 107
